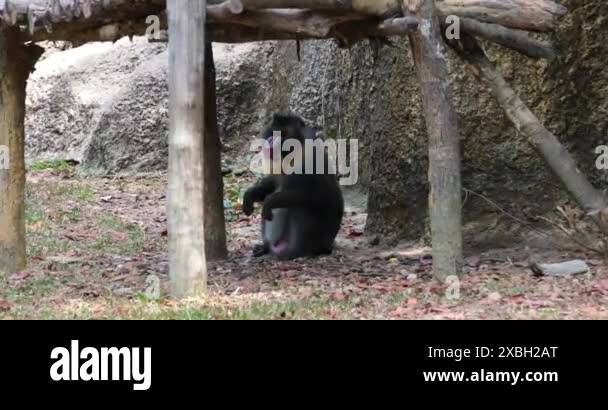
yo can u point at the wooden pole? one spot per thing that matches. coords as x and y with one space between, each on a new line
16 63
187 263
444 146
215 222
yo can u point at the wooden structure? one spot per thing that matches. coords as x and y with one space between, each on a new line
193 170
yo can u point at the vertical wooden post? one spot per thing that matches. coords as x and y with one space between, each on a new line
187 263
215 222
16 63
445 200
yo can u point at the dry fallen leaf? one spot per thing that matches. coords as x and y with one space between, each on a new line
35 227
118 236
494 297
4 306
24 274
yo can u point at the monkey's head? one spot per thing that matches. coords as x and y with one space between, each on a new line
281 133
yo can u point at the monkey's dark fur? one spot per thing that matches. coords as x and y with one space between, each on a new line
302 213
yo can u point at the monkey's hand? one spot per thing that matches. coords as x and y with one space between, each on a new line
248 203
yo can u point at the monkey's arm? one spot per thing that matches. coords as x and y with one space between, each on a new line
291 199
258 193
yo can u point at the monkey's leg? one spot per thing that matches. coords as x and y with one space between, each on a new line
290 199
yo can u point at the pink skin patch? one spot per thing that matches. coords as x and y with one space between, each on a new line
279 247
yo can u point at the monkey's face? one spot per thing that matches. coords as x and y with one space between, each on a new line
272 153
281 136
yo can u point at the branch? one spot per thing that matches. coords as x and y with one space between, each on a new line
516 40
535 15
554 153
343 5
531 15
316 24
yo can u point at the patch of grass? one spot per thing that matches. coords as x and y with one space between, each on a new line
44 242
209 309
29 295
69 216
396 299
111 240
58 165
83 193
548 313
33 214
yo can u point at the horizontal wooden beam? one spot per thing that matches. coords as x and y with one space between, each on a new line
349 21
534 15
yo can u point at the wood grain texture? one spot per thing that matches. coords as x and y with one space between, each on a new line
445 203
187 262
16 63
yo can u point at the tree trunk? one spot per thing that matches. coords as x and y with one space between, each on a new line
444 146
215 223
16 63
187 264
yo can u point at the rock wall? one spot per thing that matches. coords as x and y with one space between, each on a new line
106 106
374 98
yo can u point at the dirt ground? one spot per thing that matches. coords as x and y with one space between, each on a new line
98 249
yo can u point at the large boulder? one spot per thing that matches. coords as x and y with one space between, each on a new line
106 105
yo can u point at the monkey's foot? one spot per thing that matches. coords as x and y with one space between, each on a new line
260 250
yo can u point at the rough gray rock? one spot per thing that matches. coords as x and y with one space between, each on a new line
106 105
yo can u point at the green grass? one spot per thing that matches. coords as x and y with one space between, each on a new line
139 308
83 193
58 165
45 242
108 243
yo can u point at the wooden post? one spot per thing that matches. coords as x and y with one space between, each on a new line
445 200
16 63
187 264
215 222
